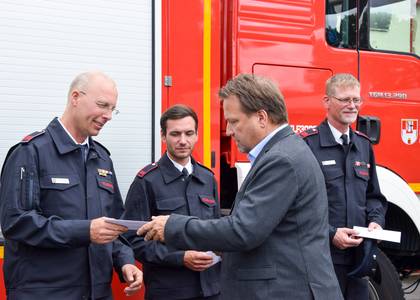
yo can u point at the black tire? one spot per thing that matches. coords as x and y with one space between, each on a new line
385 284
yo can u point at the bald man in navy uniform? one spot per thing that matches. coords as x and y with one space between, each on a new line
57 185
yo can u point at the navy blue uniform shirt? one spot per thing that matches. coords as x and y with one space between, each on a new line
48 197
161 189
354 196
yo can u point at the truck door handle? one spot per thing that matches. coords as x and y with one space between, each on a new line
371 126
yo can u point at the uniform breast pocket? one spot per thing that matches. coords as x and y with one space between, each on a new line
362 172
106 192
171 205
334 179
105 183
332 173
60 194
207 206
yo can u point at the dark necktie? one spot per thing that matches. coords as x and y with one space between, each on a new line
185 173
84 149
345 140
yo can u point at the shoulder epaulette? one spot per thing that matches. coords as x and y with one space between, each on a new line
308 132
31 136
103 147
147 169
205 167
7 156
362 135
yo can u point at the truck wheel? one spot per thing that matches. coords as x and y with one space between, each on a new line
385 284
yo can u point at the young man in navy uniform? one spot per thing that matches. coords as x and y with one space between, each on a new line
175 184
56 187
348 163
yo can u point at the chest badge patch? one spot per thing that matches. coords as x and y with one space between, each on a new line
361 163
104 173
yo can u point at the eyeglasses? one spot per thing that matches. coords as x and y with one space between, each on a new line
348 100
104 106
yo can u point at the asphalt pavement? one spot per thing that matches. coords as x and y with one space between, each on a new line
407 282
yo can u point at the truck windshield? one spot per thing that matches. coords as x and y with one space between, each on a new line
384 25
394 25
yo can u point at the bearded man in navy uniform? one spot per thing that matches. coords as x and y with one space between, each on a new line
354 197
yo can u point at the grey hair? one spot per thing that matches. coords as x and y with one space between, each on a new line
340 80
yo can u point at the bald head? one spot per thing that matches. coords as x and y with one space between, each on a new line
91 101
83 81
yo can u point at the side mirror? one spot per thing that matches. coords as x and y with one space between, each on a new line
371 126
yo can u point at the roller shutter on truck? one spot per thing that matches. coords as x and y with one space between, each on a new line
45 43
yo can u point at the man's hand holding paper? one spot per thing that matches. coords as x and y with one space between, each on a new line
129 224
155 229
378 234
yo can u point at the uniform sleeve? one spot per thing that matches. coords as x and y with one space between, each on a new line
118 205
332 231
121 255
21 218
376 203
138 207
218 213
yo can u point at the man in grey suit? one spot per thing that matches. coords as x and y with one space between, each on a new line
275 241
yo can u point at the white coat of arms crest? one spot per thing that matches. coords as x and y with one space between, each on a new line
409 130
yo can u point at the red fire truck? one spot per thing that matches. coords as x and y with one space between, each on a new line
196 46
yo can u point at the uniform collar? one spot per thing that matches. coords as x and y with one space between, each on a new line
170 172
86 141
180 167
327 139
63 141
337 134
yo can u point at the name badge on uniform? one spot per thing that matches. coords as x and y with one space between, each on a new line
328 162
60 180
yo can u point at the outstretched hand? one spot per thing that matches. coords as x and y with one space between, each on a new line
102 232
155 229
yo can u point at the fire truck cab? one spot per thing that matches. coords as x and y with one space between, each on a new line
171 51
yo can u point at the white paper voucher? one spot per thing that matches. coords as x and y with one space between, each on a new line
378 234
130 224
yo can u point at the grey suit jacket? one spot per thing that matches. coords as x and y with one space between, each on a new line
275 241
